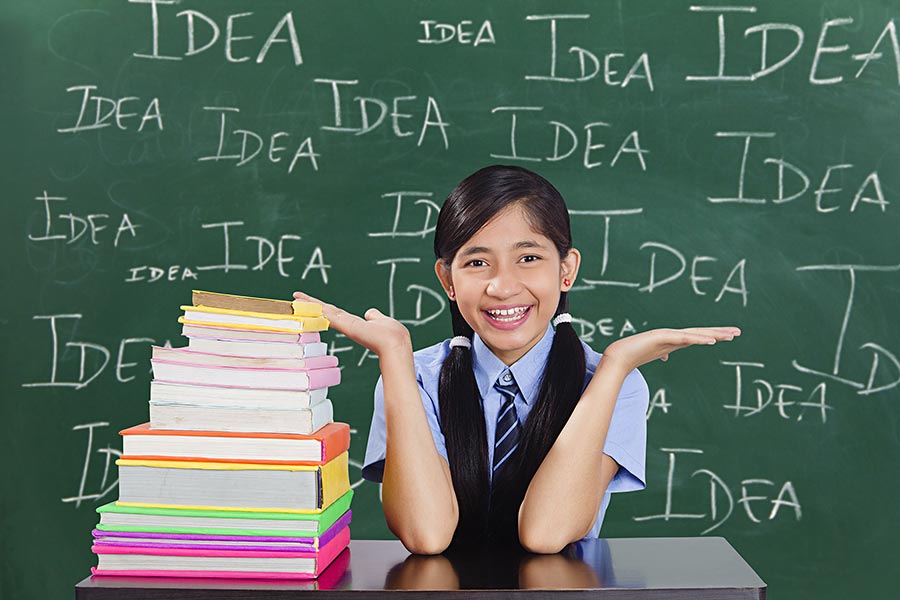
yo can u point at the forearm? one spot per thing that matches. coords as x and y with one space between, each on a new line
569 482
417 494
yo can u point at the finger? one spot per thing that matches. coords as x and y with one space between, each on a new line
339 319
306 297
373 313
720 333
687 338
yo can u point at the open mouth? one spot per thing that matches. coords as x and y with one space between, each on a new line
508 316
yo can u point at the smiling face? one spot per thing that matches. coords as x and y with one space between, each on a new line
506 280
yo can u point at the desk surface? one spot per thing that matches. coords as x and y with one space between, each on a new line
672 568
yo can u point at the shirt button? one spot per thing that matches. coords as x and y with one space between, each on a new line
507 377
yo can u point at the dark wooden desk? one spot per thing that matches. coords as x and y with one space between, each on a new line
705 568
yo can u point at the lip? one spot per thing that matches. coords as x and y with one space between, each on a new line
512 324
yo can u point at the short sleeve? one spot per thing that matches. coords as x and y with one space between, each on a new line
626 440
373 466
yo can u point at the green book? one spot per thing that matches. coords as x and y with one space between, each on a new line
220 522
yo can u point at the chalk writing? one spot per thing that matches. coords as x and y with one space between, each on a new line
794 33
735 282
589 64
630 145
422 199
252 144
442 33
869 190
283 32
432 118
265 251
108 455
658 402
111 111
92 357
721 497
74 227
781 396
876 370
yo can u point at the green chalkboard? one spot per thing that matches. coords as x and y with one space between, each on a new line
724 164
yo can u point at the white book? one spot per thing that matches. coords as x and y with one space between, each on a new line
233 486
260 420
237 347
229 333
211 395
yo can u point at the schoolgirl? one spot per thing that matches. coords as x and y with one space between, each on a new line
513 430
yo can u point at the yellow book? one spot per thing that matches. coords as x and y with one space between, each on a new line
243 319
252 304
253 487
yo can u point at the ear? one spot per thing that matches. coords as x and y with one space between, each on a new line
569 269
443 274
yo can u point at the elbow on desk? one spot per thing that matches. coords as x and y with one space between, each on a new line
542 539
541 545
425 542
423 538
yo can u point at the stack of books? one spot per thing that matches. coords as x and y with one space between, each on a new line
241 471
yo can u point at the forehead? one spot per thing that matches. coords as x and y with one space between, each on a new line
509 229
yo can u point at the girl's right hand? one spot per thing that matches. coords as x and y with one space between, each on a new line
378 332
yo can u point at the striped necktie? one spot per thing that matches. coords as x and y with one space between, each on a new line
508 429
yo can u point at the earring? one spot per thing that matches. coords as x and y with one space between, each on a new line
566 282
451 293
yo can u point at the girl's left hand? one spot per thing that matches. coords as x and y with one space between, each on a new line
635 350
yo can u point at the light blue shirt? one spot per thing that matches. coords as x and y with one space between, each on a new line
626 440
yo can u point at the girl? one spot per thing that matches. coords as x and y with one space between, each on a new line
513 431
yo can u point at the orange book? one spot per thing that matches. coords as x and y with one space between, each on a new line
143 443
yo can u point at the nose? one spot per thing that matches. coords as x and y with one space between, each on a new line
504 283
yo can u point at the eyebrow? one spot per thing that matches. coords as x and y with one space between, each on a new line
483 250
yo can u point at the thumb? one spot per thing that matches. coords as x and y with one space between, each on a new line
373 313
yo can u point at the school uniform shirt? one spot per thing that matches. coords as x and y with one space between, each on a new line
626 440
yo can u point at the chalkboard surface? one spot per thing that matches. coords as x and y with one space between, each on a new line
724 164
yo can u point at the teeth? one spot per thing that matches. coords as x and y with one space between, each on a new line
510 314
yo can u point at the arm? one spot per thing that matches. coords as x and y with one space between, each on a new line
584 436
417 494
585 481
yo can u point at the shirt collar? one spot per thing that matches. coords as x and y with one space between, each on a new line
528 370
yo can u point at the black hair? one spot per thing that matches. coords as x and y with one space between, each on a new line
489 516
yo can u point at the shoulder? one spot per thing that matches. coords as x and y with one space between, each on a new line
634 382
429 360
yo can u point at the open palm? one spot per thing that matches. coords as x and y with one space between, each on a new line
635 350
375 330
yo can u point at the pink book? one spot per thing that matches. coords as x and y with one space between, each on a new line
216 359
243 561
170 371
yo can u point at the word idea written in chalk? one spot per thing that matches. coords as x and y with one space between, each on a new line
566 140
252 145
202 33
794 182
463 32
373 112
97 112
828 56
